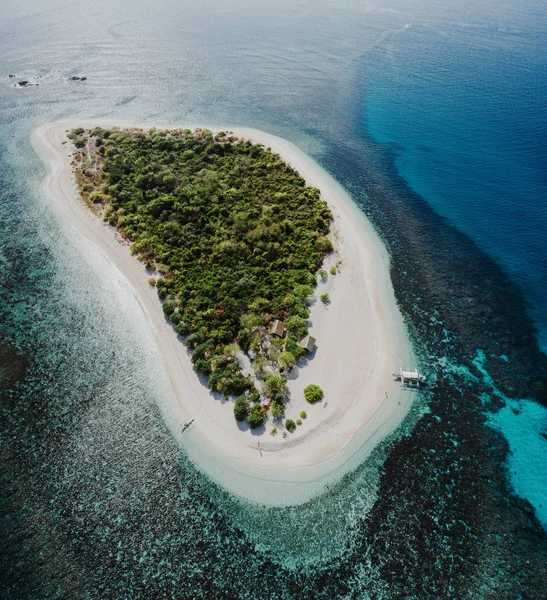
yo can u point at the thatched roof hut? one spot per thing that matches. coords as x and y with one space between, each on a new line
308 343
277 328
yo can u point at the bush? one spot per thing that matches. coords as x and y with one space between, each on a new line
175 318
313 393
297 326
169 307
323 244
257 417
203 366
254 394
299 421
152 281
322 274
273 431
287 360
182 328
259 364
293 347
303 414
333 270
274 384
241 408
290 425
325 299
277 409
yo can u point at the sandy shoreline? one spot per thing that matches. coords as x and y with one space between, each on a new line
361 340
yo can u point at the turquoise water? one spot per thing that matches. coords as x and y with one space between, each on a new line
432 115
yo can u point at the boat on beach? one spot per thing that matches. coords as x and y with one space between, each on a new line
187 424
410 378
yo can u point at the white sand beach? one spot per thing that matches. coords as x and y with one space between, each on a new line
361 341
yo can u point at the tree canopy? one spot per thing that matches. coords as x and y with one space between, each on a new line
235 231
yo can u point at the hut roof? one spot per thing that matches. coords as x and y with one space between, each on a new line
308 343
278 328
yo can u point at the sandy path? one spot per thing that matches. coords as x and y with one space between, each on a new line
361 340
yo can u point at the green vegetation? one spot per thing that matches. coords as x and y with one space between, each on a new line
235 233
333 270
257 416
290 425
325 299
287 360
303 414
275 386
241 408
273 431
299 421
313 393
277 409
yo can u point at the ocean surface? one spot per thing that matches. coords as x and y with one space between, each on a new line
433 116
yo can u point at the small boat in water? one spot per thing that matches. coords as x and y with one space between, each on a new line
187 424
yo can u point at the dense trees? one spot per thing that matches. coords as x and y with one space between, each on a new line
235 232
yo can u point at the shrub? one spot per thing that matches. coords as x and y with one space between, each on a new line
297 326
323 244
203 366
257 417
169 307
152 281
274 384
322 274
313 393
303 414
293 347
287 360
325 299
273 431
254 394
299 421
175 318
333 270
259 364
277 409
182 328
290 425
241 408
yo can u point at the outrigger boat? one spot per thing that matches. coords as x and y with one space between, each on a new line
187 424
411 378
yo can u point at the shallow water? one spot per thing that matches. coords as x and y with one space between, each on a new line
97 497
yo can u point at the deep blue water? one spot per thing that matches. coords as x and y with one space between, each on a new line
464 110
432 114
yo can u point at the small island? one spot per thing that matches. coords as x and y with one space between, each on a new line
233 239
262 286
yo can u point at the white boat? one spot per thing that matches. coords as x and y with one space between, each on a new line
412 378
187 424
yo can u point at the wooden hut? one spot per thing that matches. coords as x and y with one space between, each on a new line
277 328
308 343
